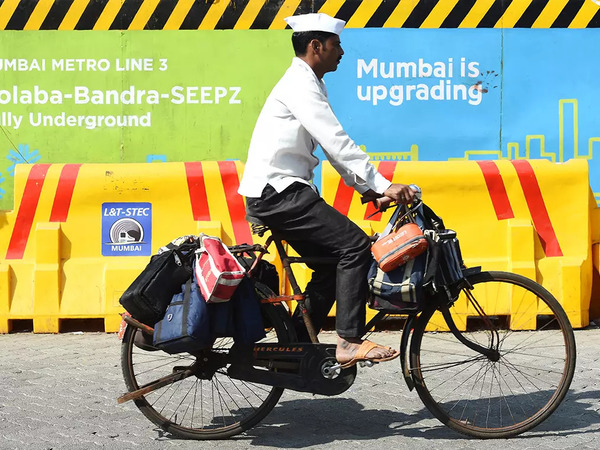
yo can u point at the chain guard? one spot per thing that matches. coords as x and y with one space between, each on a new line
300 367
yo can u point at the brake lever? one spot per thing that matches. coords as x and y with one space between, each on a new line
382 208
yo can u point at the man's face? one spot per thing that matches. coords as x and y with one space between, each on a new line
331 54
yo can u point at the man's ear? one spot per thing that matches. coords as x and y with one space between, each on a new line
315 45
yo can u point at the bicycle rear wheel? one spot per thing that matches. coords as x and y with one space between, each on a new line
478 395
215 407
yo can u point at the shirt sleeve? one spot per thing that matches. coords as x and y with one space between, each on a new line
311 107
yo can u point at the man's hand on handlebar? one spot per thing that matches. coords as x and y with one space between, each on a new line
401 193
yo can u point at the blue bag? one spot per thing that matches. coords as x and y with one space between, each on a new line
240 317
186 325
247 316
190 324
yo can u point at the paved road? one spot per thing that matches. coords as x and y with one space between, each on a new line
59 392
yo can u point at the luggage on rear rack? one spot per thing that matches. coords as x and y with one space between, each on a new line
192 292
191 324
186 324
147 298
218 272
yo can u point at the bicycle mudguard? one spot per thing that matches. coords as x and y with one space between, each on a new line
404 342
303 367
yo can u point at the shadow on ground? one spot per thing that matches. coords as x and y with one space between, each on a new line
318 421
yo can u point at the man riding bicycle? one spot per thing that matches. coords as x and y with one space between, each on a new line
277 184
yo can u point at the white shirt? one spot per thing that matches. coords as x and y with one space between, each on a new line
295 118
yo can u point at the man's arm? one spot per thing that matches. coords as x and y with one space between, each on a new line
310 106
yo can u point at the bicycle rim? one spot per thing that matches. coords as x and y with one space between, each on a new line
195 408
481 397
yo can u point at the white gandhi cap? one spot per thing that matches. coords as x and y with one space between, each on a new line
315 22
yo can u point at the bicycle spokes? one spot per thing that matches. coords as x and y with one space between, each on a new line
496 377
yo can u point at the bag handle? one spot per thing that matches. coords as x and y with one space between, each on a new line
400 216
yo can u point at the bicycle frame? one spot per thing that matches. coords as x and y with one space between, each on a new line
314 348
287 261
298 296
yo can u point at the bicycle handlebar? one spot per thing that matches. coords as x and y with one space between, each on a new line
383 202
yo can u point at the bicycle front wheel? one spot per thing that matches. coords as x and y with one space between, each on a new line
515 388
196 407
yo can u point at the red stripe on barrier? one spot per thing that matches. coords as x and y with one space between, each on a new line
537 207
64 193
235 202
496 189
27 209
343 197
387 169
197 190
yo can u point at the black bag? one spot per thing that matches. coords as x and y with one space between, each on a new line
446 273
263 272
151 292
267 274
240 317
247 314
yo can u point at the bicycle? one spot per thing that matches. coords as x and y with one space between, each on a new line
490 376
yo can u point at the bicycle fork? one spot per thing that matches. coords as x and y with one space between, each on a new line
491 351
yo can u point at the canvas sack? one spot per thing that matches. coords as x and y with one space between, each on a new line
400 289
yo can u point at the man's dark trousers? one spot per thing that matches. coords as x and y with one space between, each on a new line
313 228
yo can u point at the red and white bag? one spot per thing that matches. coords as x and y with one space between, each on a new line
218 272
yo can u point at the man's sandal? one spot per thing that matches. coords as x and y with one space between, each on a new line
361 354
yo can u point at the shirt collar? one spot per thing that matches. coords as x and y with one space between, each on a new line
301 64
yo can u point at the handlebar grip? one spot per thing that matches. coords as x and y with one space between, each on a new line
417 189
383 202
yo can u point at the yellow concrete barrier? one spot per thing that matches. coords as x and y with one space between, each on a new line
531 217
595 221
80 234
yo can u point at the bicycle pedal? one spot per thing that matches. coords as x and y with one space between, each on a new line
334 367
366 363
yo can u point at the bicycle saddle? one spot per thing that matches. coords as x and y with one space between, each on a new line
256 225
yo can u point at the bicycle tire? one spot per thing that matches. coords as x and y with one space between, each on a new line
482 398
195 408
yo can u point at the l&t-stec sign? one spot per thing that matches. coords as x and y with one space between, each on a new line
126 229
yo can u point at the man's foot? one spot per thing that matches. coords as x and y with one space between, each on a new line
349 351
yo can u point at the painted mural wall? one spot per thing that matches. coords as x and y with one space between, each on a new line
165 80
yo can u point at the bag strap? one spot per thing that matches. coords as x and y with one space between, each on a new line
434 220
432 260
186 306
388 228
396 220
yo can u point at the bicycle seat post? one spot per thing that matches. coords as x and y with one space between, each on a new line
298 295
